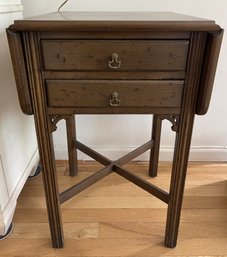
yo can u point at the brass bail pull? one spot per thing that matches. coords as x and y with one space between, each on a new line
115 100
115 63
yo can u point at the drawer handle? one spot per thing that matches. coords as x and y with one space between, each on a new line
115 63
114 100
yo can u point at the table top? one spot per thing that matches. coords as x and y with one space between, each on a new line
116 16
115 21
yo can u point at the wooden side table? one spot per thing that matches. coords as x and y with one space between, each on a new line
72 63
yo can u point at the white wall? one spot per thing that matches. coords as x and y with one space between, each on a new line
210 132
18 146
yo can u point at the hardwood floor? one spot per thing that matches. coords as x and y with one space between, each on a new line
116 218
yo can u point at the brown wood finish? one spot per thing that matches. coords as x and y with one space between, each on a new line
110 110
183 138
213 46
115 35
165 66
154 153
45 142
97 93
152 189
120 75
70 192
105 161
110 167
93 154
72 152
20 71
113 21
135 153
95 54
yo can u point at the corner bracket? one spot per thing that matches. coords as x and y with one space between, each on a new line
174 119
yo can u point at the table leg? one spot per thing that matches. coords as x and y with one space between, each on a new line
72 151
154 153
183 137
179 170
50 182
51 188
45 141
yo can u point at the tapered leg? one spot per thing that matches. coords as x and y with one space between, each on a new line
154 153
51 190
72 152
179 170
45 142
46 150
183 138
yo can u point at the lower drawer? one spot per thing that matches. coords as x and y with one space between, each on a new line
104 93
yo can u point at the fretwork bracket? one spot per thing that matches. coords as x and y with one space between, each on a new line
54 119
174 119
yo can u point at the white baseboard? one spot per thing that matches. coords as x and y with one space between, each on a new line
212 153
6 215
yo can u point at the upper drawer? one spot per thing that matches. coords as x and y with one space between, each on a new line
122 55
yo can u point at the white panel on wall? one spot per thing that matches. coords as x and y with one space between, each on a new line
10 6
4 197
8 2
16 129
18 146
17 133
209 140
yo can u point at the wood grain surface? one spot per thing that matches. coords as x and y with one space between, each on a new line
134 55
98 93
116 218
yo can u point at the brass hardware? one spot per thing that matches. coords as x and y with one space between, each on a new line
115 63
114 100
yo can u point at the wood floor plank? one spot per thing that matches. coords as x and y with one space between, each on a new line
213 176
190 202
96 215
130 189
119 215
115 218
153 229
41 230
114 247
96 202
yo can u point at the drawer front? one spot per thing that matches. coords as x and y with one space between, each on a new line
113 55
73 93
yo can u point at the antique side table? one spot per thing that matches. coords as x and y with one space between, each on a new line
70 63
